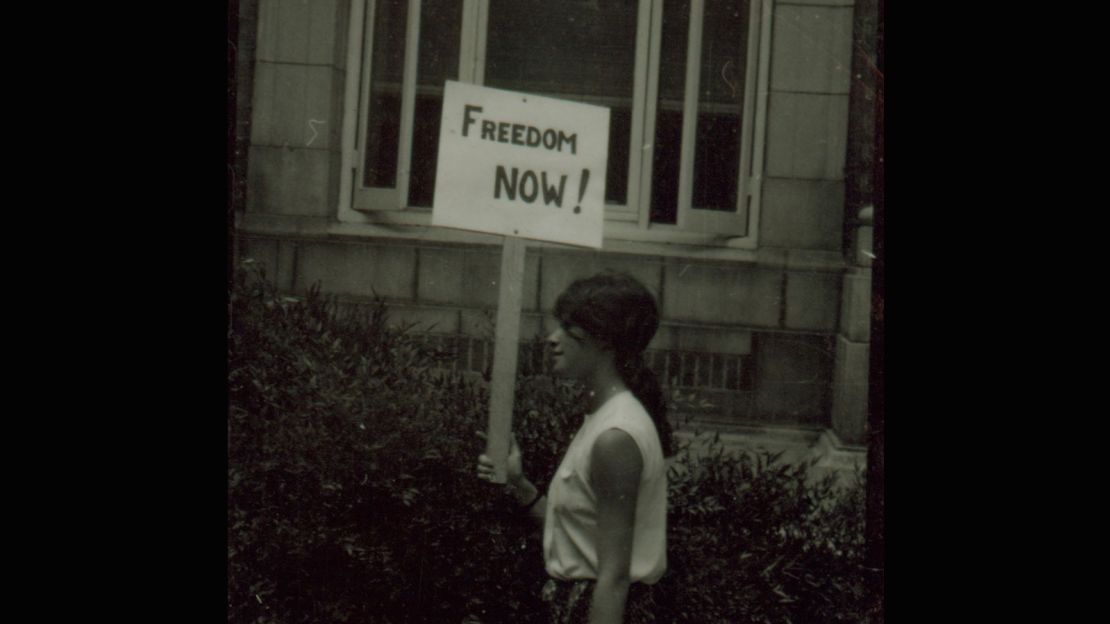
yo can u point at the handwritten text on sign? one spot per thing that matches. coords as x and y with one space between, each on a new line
521 165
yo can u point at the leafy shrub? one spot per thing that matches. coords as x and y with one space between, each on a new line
352 494
755 540
351 489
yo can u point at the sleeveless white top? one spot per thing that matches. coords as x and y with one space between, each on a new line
570 524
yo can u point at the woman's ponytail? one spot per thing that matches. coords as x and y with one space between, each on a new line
645 386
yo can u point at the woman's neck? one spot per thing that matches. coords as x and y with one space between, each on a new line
602 386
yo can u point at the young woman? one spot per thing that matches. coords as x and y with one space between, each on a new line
604 513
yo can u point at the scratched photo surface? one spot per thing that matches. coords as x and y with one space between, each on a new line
414 183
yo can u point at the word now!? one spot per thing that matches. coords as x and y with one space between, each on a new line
518 134
528 186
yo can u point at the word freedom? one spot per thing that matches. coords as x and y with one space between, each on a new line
518 134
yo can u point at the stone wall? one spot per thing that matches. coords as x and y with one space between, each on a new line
781 335
778 321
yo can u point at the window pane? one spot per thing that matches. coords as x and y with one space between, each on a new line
720 104
572 50
667 146
438 61
383 124
616 179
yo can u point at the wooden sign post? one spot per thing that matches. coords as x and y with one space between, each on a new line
505 348
518 165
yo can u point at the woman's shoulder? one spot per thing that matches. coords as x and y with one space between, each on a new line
627 403
630 416
627 409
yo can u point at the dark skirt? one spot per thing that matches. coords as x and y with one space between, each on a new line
569 602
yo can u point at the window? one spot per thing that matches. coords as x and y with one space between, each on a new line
680 78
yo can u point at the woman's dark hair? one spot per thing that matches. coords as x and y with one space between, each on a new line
618 311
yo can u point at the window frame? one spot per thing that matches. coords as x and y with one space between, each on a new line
630 221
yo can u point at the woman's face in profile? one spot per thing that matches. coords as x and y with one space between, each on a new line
573 353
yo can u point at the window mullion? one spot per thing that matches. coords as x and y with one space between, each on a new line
636 139
766 9
354 105
690 112
468 40
365 32
408 101
480 42
651 110
755 39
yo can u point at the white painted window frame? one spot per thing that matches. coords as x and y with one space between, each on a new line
629 222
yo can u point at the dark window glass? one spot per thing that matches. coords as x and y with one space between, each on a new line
572 50
383 124
720 105
667 145
616 179
438 61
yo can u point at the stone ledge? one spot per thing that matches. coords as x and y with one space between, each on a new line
837 3
829 454
793 443
769 256
833 455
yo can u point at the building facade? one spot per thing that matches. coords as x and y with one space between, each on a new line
736 190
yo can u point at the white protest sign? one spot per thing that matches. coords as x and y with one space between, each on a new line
521 165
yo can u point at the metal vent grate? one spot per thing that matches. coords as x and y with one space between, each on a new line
682 369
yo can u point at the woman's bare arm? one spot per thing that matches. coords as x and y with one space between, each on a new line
615 471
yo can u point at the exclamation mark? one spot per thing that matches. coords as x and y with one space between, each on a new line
582 189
